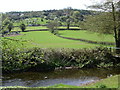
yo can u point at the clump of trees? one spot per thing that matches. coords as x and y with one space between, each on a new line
67 17
6 25
107 21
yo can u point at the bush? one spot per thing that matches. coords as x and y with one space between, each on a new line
101 86
37 59
22 27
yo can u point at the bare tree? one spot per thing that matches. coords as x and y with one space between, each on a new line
113 8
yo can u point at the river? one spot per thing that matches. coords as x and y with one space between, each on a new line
75 77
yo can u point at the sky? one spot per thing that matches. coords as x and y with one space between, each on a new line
39 5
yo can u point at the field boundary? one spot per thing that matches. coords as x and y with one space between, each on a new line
77 39
88 41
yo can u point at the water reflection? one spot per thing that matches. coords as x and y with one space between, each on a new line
69 77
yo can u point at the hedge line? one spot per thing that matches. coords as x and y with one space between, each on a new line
88 41
37 59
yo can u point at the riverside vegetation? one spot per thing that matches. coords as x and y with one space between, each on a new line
17 57
38 59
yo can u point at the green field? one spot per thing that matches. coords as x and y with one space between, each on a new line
65 27
30 28
39 27
83 34
45 39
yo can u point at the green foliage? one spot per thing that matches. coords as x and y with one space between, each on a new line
108 21
37 18
53 26
102 23
6 26
101 86
22 27
37 59
10 26
11 56
15 59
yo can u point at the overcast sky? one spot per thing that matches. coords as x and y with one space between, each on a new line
38 5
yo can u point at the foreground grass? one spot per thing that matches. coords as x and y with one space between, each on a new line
111 82
83 34
44 39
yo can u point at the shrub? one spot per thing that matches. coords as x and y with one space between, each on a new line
22 27
37 59
101 86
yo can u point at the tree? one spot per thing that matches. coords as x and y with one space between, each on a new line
53 26
10 26
106 22
68 12
22 27
68 23
0 21
77 17
6 24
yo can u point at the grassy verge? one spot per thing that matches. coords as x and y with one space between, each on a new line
110 82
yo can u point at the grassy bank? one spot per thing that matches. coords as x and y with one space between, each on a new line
110 82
